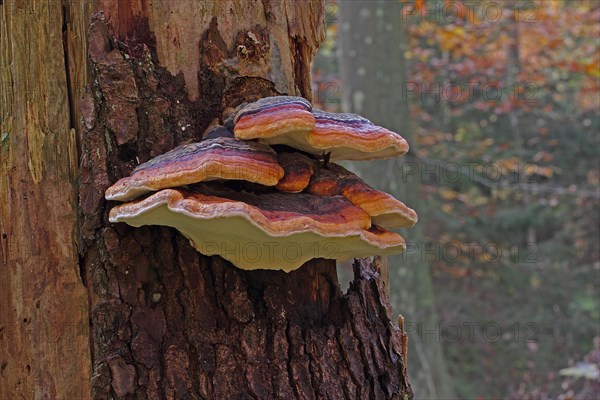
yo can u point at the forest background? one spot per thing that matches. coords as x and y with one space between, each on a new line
499 100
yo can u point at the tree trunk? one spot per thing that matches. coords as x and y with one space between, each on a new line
167 322
374 73
44 330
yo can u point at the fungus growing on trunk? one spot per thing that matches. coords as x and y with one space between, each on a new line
275 120
298 171
291 121
218 158
285 208
217 131
352 137
263 231
383 208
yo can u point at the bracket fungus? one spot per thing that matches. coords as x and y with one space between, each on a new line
217 131
280 118
292 121
352 137
263 231
218 158
383 208
263 207
298 169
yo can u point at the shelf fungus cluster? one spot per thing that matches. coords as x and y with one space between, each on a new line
265 196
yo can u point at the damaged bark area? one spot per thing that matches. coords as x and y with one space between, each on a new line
169 323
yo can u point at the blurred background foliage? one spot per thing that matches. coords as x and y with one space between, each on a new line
500 102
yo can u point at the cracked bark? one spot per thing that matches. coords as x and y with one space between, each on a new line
165 321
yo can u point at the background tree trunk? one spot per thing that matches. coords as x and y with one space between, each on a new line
44 335
165 321
374 75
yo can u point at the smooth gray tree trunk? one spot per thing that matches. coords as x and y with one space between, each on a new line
374 75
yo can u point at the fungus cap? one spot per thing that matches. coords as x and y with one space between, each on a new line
385 210
217 131
298 171
269 231
352 137
291 121
272 117
218 158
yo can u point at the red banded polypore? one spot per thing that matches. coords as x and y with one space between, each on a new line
383 208
291 121
211 159
284 208
263 231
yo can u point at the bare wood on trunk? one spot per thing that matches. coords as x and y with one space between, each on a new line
44 335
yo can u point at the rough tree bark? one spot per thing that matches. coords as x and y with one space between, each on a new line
165 321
